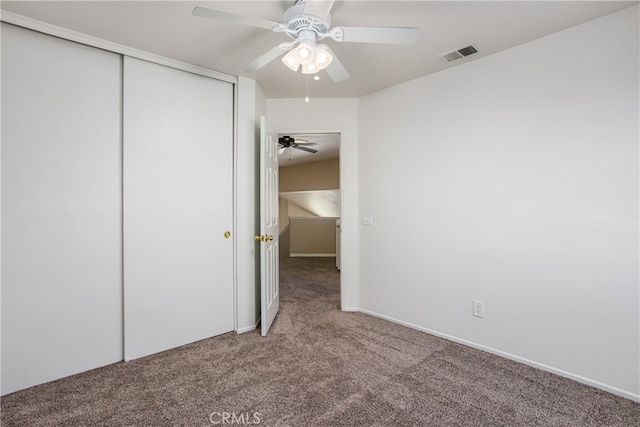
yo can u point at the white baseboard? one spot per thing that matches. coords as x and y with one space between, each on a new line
300 255
248 328
560 372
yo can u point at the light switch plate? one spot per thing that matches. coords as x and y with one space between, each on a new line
367 218
478 308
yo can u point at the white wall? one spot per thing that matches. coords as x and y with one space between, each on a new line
331 116
517 175
251 104
313 237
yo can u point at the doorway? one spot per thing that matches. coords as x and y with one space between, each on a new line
310 208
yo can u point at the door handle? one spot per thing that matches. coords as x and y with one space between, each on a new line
263 237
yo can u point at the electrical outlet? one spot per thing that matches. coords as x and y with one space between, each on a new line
478 308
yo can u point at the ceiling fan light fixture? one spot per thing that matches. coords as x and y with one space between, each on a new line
322 56
321 60
304 53
311 68
291 61
312 58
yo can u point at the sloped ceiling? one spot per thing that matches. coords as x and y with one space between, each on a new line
324 203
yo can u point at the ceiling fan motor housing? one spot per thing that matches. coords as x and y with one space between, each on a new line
286 141
296 21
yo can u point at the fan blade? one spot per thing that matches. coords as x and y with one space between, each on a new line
233 18
336 71
309 150
281 150
319 8
301 141
382 35
263 60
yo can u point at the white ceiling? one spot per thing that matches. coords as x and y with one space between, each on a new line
328 148
167 28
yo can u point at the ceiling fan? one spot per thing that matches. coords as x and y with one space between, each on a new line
299 144
306 22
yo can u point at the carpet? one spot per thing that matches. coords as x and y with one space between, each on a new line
318 367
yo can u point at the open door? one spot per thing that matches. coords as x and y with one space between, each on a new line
269 229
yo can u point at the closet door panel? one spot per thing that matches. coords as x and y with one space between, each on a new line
178 265
61 208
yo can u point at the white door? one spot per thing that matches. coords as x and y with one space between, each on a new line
61 208
178 259
269 229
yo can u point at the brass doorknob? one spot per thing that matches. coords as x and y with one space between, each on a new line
227 234
269 237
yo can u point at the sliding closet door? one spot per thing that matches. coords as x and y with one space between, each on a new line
61 208
178 264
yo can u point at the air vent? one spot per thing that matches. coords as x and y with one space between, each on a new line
459 53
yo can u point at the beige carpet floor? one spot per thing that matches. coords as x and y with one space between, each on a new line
318 367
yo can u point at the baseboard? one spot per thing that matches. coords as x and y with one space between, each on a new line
300 255
560 372
248 328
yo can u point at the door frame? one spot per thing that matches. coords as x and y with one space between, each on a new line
342 175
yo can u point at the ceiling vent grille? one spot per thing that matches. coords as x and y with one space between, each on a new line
459 53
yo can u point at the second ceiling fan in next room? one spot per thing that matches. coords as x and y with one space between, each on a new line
298 144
